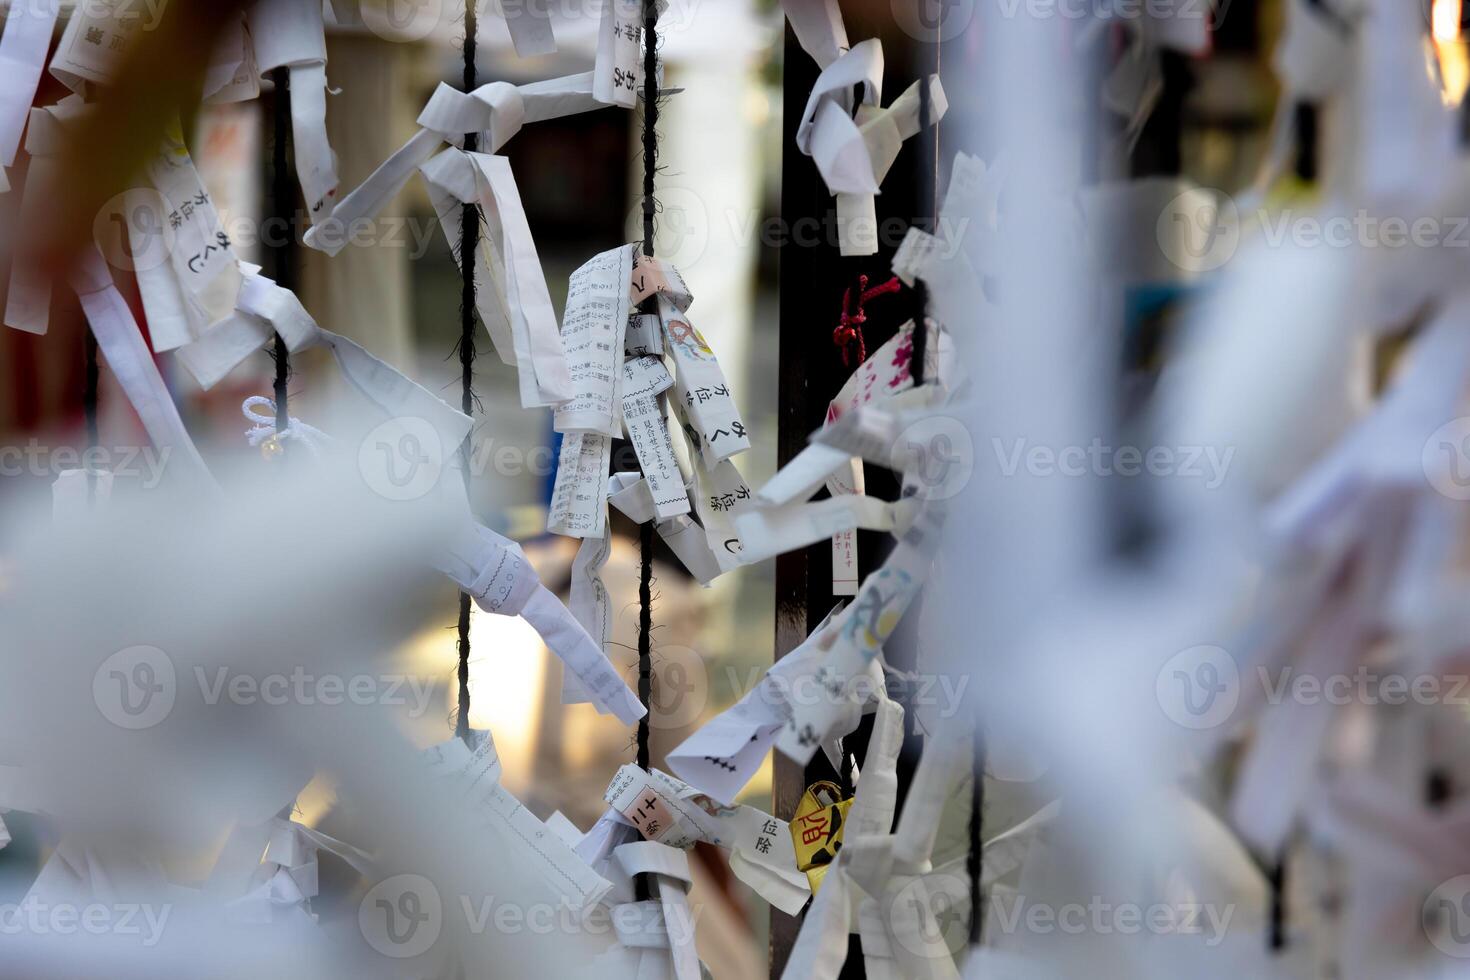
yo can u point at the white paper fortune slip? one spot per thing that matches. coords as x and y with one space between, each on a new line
618 72
720 493
97 37
818 27
645 379
855 638
726 752
592 331
206 275
289 34
674 813
579 498
478 772
629 493
886 372
510 288
23 49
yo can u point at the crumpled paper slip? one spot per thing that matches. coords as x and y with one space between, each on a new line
847 900
854 152
576 883
728 750
669 811
270 870
511 293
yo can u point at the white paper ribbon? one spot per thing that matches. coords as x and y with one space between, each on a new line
672 927
23 49
854 153
668 811
290 34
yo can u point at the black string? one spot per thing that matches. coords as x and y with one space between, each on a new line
90 381
977 824
469 238
1277 937
645 531
284 250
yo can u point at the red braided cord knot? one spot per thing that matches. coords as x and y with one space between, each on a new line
850 327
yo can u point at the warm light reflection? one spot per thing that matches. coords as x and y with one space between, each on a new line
507 676
1454 66
1446 20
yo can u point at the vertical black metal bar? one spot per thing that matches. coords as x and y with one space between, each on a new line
282 249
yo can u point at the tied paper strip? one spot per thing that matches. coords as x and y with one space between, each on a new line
28 301
290 34
121 343
617 75
269 872
496 110
530 30
510 289
23 49
720 494
888 371
889 876
645 379
596 319
854 153
821 946
196 282
264 309
667 923
514 302
97 38
818 27
576 884
853 641
232 75
727 751
668 811
598 305
485 564
700 386
630 494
